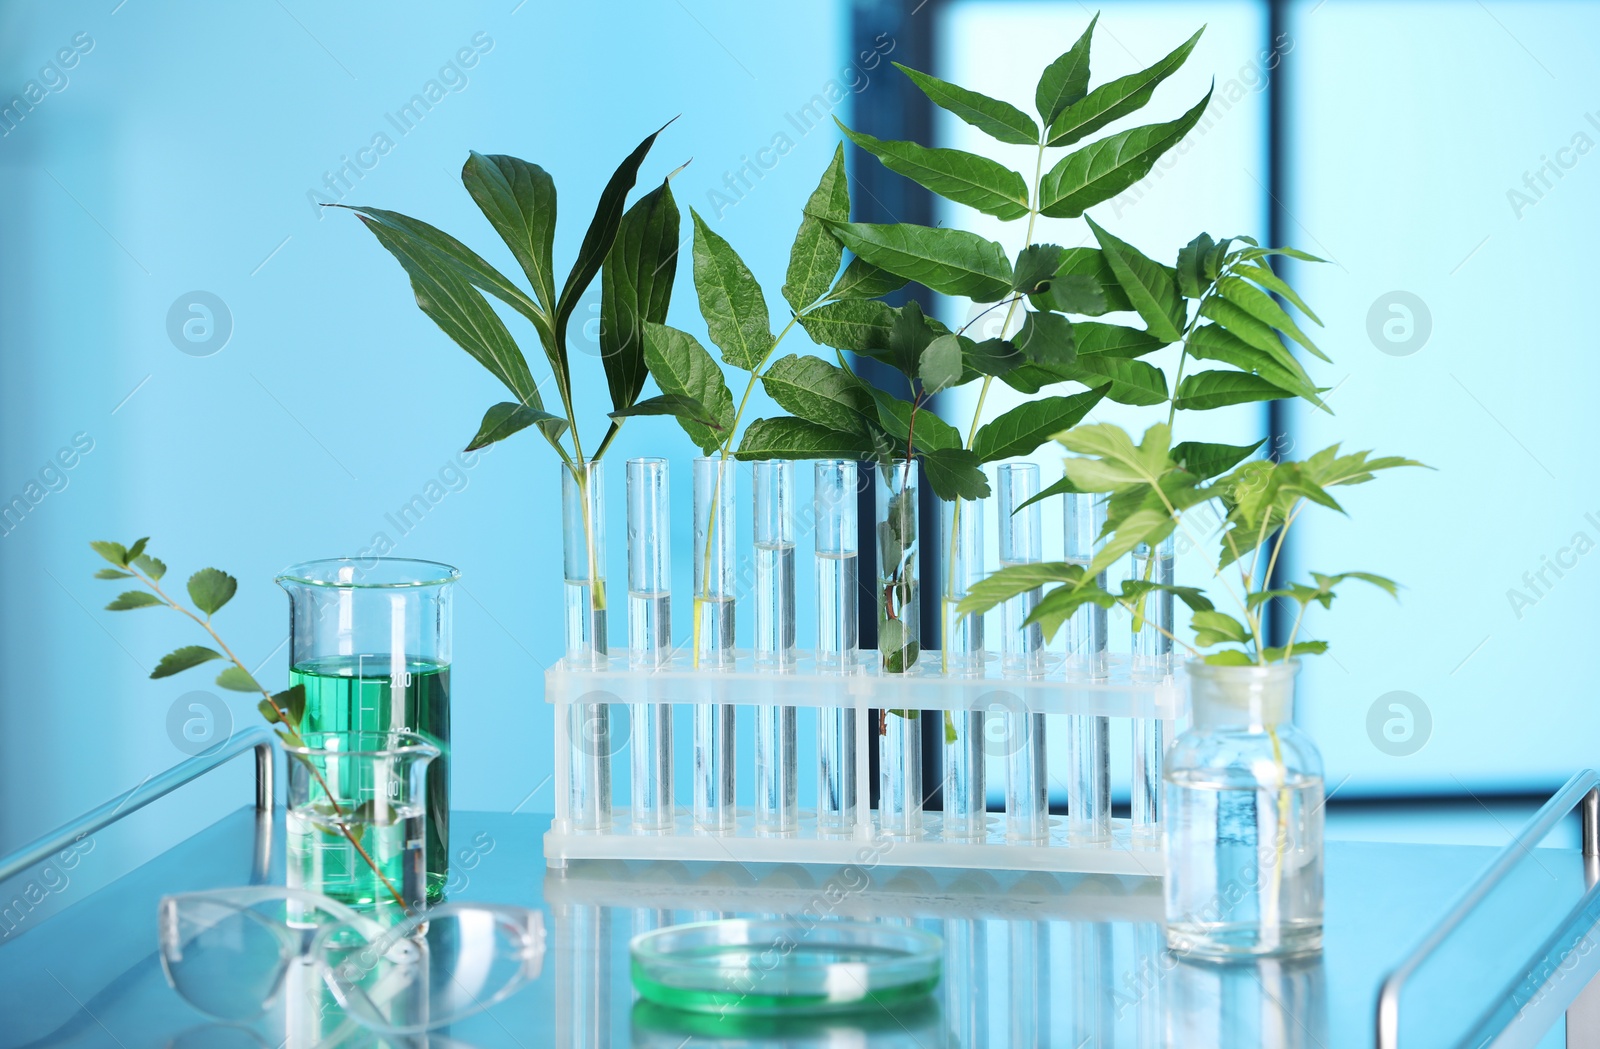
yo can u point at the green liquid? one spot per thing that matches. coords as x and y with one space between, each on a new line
358 693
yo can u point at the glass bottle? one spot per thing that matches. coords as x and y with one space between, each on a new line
370 639
899 646
714 588
583 528
962 654
1243 819
1088 659
650 636
777 800
838 637
1022 647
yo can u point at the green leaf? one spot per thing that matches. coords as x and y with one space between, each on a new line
268 711
1230 657
1262 274
506 418
1214 389
932 432
1263 308
598 239
1142 526
1254 253
820 393
453 303
1130 382
948 261
965 178
519 200
1060 604
137 548
1115 99
1036 267
940 365
1150 286
211 588
997 119
153 567
1192 278
1206 461
1061 487
683 368
1300 648
857 325
731 301
113 573
116 553
236 680
1024 428
1215 628
862 280
1189 595
912 333
1013 580
1078 266
1101 170
180 659
292 700
133 599
1096 339
1047 338
990 357
636 287
416 244
1064 81
954 473
898 651
676 405
786 438
1212 342
815 255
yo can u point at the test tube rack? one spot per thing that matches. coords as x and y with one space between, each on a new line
603 695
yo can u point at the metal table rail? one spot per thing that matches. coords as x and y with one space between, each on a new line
258 738
1581 791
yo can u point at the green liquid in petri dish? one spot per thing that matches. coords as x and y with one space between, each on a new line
358 693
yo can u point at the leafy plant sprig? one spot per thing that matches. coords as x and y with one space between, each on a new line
210 589
634 251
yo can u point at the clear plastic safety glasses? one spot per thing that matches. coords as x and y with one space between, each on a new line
232 952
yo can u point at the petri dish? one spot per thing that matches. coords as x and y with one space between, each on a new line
750 967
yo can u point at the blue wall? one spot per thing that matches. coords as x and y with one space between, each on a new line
177 154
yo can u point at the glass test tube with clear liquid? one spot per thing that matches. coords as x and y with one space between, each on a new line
899 645
589 724
962 653
838 620
1023 651
714 586
650 636
1088 659
777 803
1152 662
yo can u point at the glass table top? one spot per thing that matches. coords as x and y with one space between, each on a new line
1030 959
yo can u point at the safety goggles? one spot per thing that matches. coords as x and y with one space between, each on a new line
231 953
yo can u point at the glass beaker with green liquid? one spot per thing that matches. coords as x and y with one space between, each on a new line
369 638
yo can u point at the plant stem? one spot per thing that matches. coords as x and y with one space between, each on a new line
205 624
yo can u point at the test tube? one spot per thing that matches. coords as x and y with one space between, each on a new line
899 646
650 636
1021 543
714 534
1088 659
589 723
834 504
777 803
1152 661
962 654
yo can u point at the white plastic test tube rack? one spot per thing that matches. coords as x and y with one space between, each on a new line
746 686
828 709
